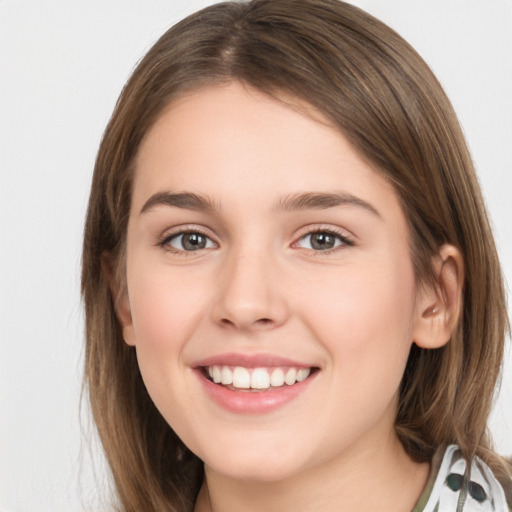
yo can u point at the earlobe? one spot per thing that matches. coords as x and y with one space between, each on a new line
439 305
120 299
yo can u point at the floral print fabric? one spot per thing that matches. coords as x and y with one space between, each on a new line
457 488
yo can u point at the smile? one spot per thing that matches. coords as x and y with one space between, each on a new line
256 379
254 383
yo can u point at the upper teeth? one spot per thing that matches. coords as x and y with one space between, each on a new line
257 378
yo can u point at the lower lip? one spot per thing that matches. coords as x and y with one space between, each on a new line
253 402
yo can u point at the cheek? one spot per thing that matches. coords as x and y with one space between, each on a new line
165 310
366 327
365 318
164 306
164 314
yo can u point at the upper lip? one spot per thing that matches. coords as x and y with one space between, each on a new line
249 361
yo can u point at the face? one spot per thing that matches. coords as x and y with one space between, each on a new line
271 295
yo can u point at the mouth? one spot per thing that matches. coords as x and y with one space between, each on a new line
254 383
248 379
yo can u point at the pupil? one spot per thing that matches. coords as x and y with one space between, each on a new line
193 241
322 241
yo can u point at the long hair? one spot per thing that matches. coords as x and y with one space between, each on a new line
382 96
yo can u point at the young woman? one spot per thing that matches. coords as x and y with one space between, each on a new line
293 298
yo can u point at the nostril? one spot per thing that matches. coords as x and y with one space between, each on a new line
259 323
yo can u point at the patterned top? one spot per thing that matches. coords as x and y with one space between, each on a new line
451 488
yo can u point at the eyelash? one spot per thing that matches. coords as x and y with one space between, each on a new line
345 240
164 242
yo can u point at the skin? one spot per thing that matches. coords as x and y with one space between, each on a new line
259 286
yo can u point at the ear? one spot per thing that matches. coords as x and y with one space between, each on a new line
438 306
120 299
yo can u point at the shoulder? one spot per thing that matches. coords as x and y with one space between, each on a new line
455 487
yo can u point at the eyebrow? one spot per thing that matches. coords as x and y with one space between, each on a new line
293 202
185 200
322 201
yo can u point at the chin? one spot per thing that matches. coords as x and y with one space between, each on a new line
257 462
256 471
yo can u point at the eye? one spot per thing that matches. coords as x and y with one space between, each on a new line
323 241
188 241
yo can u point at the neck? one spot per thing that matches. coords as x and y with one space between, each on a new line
382 478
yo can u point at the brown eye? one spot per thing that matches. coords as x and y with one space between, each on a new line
191 241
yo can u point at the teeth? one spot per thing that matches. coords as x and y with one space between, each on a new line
260 379
303 374
241 378
216 375
277 378
257 378
291 376
226 376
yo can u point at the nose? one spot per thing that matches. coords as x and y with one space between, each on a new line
250 293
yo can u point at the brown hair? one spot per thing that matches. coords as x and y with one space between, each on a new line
377 90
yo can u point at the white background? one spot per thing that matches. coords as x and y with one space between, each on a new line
62 66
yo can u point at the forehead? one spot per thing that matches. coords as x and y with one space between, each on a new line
233 141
